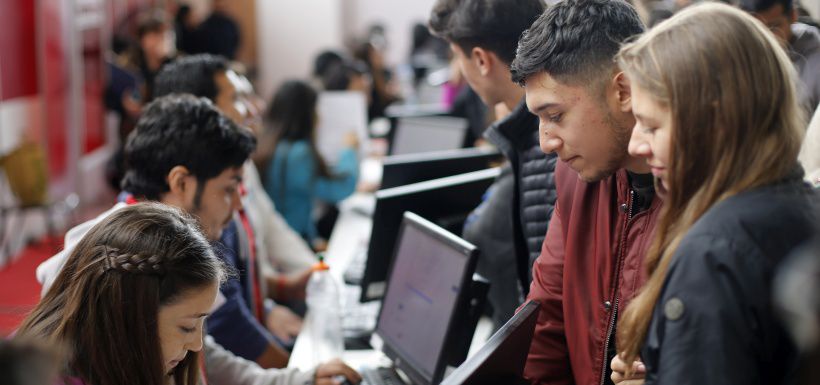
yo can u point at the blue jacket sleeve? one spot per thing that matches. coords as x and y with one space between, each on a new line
343 184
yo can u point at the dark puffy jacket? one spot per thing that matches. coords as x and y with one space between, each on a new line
517 137
714 323
489 227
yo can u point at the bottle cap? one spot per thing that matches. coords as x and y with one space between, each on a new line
321 265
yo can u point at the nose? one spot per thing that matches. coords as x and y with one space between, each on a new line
549 141
236 201
639 145
196 344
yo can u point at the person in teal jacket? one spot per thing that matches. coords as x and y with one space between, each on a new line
296 174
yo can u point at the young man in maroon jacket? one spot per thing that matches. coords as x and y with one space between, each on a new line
590 263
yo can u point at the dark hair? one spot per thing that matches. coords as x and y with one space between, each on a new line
495 25
193 75
182 130
152 21
326 60
292 116
104 304
575 41
338 76
762 5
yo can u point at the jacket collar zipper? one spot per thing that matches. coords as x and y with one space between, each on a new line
613 316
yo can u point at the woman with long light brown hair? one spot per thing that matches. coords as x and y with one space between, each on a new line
718 122
130 302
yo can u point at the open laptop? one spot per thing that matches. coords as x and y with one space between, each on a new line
501 360
429 282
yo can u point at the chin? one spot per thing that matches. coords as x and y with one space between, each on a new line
592 176
215 235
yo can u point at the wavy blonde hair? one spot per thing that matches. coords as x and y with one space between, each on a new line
736 125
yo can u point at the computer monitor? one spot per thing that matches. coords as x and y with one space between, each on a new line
501 360
429 280
399 170
426 134
445 201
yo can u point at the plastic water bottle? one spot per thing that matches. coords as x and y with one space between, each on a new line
324 319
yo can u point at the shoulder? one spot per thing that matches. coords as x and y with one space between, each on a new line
293 150
48 270
750 232
299 147
779 211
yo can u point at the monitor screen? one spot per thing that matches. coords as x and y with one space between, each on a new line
399 170
425 134
444 201
429 278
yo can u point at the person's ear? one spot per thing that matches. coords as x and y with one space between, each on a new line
180 184
483 60
623 91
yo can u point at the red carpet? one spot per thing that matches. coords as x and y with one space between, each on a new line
19 290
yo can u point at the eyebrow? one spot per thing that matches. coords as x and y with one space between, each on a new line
542 107
237 178
643 118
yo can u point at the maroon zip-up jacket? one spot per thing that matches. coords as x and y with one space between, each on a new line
590 267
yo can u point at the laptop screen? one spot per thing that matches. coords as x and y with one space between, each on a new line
415 135
423 292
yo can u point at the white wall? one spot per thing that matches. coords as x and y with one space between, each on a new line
291 33
813 6
398 17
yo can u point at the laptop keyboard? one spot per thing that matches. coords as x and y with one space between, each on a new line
380 376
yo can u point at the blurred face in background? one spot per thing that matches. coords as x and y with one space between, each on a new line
779 22
474 69
160 44
237 100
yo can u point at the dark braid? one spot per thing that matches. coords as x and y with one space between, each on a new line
131 263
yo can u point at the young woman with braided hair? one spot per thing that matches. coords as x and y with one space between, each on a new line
130 303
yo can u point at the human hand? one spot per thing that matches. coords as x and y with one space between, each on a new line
619 376
283 323
501 111
351 139
326 373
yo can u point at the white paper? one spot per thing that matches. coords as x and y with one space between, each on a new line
340 112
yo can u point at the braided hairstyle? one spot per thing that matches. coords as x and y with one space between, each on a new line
104 304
